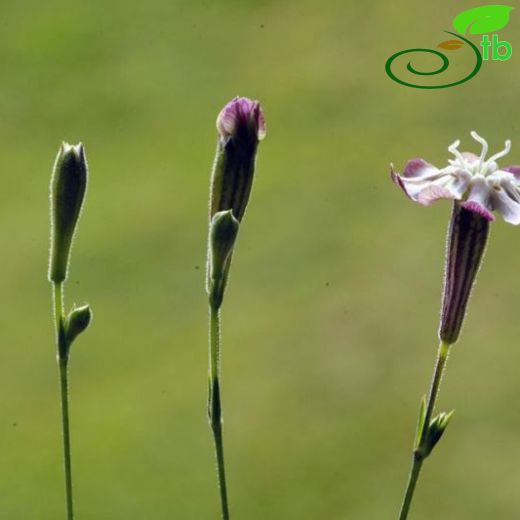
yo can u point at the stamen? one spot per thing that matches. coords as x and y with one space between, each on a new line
453 149
484 144
503 153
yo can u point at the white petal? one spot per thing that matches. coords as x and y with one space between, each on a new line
479 198
419 168
431 193
504 202
502 177
445 187
456 184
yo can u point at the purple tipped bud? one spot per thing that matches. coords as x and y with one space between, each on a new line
241 127
467 238
239 115
68 186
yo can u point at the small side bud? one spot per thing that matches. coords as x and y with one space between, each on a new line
241 126
436 430
68 186
223 232
467 237
78 320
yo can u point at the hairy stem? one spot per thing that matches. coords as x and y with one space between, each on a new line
214 405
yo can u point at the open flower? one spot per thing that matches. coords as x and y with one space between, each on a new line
479 183
477 186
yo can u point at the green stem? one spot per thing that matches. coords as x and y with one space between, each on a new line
418 456
63 360
214 406
410 487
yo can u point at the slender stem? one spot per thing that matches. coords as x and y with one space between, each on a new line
214 406
66 436
418 456
410 487
63 360
442 357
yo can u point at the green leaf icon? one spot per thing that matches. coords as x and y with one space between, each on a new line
484 19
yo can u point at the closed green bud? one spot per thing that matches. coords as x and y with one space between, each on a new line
68 186
435 431
78 320
223 232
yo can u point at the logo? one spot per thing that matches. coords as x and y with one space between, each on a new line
483 21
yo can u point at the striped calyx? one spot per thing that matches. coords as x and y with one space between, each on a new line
467 237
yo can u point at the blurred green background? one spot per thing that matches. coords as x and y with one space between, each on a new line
330 319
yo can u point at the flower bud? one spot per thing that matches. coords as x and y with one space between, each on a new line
222 235
78 320
467 238
435 431
68 186
241 127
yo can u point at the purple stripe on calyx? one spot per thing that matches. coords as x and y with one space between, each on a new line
467 237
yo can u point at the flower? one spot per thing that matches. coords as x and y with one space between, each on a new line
479 183
241 126
68 186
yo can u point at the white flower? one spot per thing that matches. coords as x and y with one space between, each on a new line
479 183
